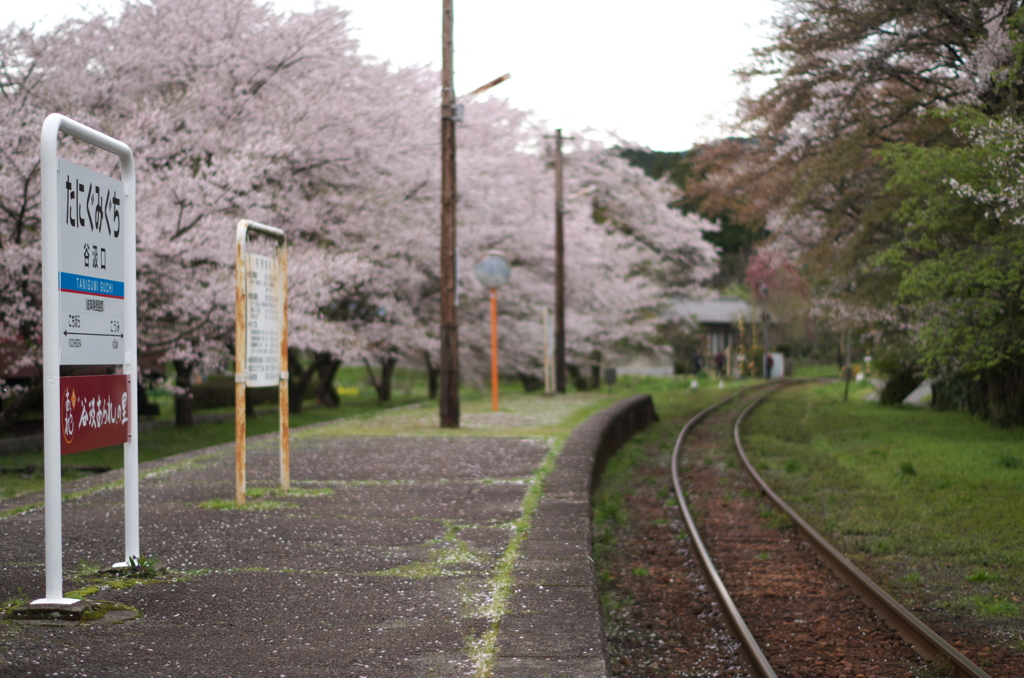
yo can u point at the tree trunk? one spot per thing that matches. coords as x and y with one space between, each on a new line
595 369
183 401
900 386
21 403
432 375
298 380
383 386
1003 391
578 380
531 382
388 371
327 367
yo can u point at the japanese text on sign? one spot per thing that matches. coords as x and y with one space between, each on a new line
95 412
91 261
263 330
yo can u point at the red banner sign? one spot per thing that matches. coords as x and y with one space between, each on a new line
94 412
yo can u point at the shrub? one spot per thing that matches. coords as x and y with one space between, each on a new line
220 392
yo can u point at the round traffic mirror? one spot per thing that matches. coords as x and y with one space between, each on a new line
493 270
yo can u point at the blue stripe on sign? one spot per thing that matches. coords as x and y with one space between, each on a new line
83 284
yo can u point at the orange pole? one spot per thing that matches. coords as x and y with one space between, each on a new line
240 348
494 349
282 400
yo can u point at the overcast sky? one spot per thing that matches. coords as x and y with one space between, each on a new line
655 72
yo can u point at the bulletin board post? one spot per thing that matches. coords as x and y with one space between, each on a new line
89 318
261 337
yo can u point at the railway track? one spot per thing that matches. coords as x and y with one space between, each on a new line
790 616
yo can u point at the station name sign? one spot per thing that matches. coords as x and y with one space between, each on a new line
91 259
87 233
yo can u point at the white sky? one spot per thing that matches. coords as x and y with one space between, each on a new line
656 72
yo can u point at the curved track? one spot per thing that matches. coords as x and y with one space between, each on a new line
925 641
755 657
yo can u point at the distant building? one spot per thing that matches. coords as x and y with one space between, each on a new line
718 324
718 318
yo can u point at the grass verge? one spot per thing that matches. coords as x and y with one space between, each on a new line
166 441
636 478
928 503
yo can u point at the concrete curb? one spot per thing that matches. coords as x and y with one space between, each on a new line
554 625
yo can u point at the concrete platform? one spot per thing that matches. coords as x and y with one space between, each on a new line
391 557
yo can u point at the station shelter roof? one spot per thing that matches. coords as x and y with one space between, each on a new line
710 311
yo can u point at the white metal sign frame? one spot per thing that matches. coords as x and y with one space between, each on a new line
51 168
244 293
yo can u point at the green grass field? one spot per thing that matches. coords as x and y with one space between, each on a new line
675 403
357 398
930 504
165 441
520 414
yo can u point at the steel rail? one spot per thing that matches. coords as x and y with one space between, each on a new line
915 632
758 662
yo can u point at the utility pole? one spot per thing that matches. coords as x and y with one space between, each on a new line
765 357
848 331
559 270
847 369
449 396
764 325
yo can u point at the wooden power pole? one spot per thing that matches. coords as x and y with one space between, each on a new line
559 270
449 395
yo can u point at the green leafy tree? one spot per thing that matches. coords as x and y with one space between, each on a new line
961 260
847 163
850 77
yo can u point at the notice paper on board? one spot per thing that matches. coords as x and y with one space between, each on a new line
263 322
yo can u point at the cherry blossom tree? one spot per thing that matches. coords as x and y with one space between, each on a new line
205 94
234 111
33 79
625 248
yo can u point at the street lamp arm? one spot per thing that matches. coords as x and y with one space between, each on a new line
480 90
589 190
